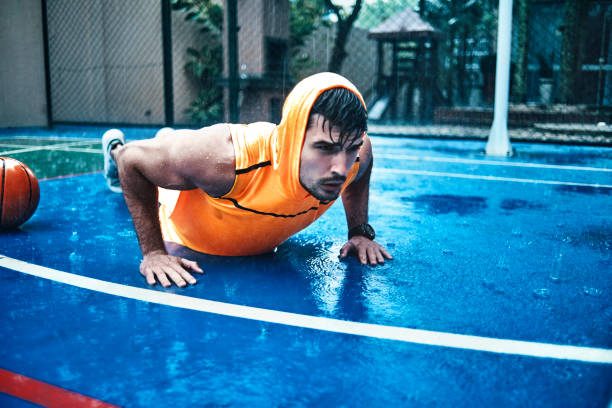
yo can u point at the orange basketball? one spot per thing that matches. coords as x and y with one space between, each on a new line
19 193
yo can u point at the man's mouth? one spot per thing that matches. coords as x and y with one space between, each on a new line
332 185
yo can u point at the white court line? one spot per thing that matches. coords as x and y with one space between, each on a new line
489 162
14 146
60 146
82 150
433 338
52 138
491 178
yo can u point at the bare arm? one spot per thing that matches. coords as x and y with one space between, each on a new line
178 160
355 200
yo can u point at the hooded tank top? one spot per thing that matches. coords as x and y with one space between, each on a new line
267 203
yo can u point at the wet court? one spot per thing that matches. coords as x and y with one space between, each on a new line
500 293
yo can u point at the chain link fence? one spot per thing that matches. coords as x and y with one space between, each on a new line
425 67
105 61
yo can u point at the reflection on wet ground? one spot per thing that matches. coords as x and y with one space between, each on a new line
475 256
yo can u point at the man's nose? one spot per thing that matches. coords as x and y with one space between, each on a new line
340 164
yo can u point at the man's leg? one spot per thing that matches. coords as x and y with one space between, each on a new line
110 140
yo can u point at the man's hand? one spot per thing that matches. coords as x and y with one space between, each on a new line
366 250
162 266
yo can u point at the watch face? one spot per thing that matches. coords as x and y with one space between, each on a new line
368 231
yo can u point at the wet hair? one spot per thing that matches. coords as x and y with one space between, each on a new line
344 112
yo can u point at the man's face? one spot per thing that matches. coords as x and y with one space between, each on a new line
325 162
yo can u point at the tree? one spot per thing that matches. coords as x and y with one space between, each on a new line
468 26
571 56
519 78
206 63
344 25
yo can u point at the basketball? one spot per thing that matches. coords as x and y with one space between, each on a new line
19 193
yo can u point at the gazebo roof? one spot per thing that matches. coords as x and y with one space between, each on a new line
406 24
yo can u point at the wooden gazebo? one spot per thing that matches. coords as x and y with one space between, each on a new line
405 88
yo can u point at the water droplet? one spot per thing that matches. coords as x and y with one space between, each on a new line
501 264
263 334
517 232
558 273
489 284
542 293
74 237
591 291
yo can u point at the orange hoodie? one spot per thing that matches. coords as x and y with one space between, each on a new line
267 203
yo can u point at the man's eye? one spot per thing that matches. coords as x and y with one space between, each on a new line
326 148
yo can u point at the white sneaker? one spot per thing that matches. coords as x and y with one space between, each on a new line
111 138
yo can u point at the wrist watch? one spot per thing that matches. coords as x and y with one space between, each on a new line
363 230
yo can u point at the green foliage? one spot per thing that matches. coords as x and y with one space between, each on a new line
205 13
570 51
519 78
205 65
464 24
376 12
305 17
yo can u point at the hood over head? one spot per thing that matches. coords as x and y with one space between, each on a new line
288 137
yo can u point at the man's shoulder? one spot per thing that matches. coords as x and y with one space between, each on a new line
253 131
252 143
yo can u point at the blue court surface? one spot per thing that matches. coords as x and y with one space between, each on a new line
500 293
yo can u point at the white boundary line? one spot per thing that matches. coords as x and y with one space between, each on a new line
433 338
490 178
60 146
52 138
488 162
82 150
14 146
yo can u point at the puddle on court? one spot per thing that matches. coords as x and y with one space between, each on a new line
461 151
512 204
448 203
564 157
596 237
589 190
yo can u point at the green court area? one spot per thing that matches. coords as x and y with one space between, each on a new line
50 157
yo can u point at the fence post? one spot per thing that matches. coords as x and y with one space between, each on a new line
45 30
166 22
499 141
232 48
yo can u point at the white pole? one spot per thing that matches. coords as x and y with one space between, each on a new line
499 142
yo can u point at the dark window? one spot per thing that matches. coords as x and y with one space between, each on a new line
276 56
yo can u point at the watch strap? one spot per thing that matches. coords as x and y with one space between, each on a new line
363 230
